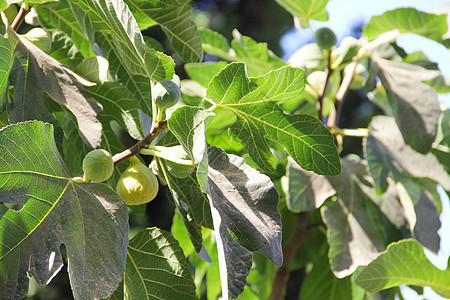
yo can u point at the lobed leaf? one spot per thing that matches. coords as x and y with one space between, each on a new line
408 19
175 19
88 218
403 262
245 216
254 103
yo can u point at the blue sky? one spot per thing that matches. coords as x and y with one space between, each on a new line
343 15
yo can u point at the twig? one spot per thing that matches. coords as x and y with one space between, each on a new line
320 98
24 10
333 118
157 128
298 235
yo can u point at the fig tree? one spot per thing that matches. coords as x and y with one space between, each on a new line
166 94
98 165
325 38
137 184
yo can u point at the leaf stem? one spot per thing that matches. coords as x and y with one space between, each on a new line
298 235
157 128
333 118
329 72
24 10
357 132
159 151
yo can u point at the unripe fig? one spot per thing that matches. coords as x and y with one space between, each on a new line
166 94
137 184
325 38
176 169
98 165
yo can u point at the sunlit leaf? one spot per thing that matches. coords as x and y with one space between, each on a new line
421 212
403 262
175 19
115 19
88 218
305 10
204 72
408 19
254 103
60 16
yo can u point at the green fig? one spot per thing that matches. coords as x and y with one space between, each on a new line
98 165
176 169
325 38
137 184
166 94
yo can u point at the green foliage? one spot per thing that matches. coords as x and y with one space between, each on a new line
51 209
306 10
411 20
256 155
411 267
147 273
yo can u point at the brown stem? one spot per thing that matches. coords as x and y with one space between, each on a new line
157 128
320 98
298 235
19 18
333 118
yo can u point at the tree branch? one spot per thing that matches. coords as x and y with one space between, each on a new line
24 10
333 118
157 128
298 235
329 72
